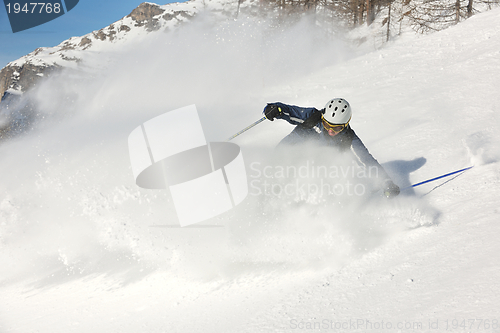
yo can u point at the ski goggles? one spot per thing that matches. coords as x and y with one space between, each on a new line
337 128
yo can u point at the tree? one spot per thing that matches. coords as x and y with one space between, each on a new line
434 15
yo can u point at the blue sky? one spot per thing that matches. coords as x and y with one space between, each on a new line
87 16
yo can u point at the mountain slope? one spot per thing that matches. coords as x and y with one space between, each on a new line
83 249
24 73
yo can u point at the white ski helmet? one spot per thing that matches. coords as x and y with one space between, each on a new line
337 111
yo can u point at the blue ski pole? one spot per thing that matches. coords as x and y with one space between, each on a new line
436 178
247 128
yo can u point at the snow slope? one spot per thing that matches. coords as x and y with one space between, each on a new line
85 250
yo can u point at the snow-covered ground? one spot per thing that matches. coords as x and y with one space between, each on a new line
83 249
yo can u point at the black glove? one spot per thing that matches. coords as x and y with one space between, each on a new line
391 190
271 111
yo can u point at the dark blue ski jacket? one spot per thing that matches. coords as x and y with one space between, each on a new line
307 130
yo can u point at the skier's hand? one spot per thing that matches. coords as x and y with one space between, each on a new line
391 190
271 111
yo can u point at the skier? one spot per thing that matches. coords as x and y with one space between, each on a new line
328 126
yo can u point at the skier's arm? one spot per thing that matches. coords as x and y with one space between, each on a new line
295 115
364 156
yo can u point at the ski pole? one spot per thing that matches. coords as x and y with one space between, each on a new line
436 178
247 128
